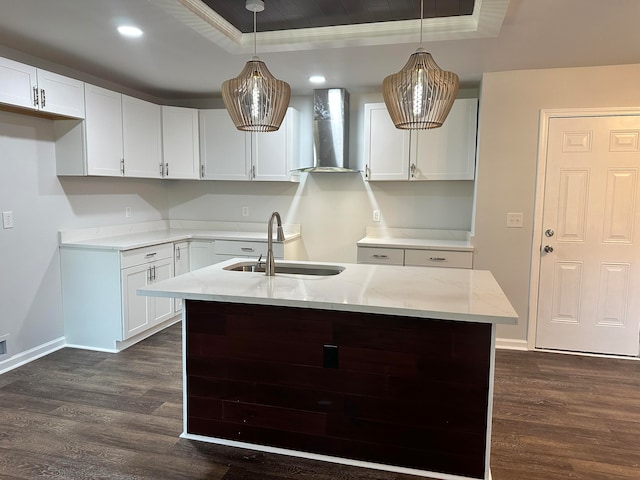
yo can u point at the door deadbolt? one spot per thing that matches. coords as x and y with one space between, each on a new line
549 233
548 248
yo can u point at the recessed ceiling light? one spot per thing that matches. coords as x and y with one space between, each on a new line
317 79
129 31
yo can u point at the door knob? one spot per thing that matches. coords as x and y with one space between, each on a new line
548 248
549 233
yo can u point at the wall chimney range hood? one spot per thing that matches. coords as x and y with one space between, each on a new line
330 131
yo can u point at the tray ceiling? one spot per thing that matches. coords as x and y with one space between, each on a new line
293 15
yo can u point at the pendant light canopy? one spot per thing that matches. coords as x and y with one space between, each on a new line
420 95
255 99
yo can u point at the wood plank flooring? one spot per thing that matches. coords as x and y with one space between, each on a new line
87 415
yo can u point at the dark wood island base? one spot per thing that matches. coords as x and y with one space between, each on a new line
395 391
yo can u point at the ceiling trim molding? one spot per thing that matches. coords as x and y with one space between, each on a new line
486 21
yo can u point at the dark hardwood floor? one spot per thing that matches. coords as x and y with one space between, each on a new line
86 415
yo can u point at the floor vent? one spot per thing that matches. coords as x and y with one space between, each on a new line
3 347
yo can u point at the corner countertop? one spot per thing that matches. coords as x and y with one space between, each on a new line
424 239
130 236
430 293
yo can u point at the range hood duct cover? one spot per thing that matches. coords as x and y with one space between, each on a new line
330 131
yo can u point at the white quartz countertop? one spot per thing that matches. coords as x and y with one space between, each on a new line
455 240
144 235
435 293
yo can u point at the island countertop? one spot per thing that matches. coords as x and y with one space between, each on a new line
424 292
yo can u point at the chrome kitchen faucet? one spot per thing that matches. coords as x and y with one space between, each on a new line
270 266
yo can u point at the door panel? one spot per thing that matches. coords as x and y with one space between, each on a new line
591 268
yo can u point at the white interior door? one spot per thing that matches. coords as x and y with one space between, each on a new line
589 284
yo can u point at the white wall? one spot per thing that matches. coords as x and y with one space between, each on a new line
333 209
42 204
510 104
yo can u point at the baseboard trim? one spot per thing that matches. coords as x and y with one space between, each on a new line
32 354
511 344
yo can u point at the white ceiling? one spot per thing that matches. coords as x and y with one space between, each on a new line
185 54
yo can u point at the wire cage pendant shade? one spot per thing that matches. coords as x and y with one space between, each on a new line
255 99
421 94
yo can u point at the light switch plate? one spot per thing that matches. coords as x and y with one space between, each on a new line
7 219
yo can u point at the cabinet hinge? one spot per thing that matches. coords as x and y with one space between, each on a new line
122 166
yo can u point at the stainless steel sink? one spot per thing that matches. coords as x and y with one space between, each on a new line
288 268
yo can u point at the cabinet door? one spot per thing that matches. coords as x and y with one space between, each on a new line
273 152
180 266
448 152
225 152
60 95
386 148
161 308
180 145
201 254
141 127
17 83
135 308
103 123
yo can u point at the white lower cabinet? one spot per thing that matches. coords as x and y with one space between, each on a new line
381 256
227 249
101 308
181 264
152 265
415 257
201 254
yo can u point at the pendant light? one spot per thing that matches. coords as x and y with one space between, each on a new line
420 95
255 99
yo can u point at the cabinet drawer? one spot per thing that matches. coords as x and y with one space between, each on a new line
386 256
138 256
247 249
438 258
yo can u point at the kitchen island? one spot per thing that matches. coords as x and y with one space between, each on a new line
381 366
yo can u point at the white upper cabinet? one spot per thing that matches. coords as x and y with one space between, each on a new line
32 88
386 148
142 140
229 154
103 128
225 152
120 136
180 144
445 153
273 153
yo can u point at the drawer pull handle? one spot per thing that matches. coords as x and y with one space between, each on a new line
150 255
378 255
247 249
438 259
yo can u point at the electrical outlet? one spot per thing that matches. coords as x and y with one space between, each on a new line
514 220
376 215
245 211
7 219
127 212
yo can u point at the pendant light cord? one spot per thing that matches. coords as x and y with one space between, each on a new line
255 51
421 15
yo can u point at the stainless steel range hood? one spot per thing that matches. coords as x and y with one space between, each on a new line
330 131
